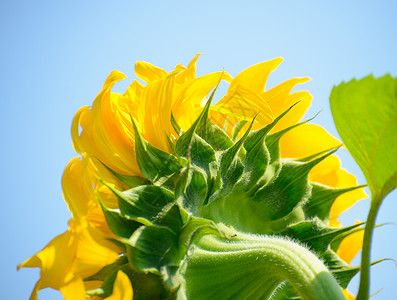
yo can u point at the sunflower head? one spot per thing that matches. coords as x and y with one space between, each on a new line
186 192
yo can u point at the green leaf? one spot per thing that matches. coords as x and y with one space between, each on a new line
365 114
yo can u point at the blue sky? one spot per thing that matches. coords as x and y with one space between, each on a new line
56 55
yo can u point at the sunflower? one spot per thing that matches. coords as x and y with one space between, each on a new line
156 115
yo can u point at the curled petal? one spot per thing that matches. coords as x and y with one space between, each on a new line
107 132
77 185
189 73
148 72
56 260
256 76
75 130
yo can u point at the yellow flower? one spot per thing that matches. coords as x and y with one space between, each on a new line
70 257
103 134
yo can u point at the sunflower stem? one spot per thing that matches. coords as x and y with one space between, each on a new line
251 267
363 291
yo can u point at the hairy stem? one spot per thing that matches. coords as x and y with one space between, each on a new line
251 267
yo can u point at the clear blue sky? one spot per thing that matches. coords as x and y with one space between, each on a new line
55 56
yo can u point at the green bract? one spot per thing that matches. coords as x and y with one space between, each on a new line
225 218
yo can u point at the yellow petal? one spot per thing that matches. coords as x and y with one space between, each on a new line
107 132
241 103
154 112
55 260
255 77
148 72
347 200
189 73
77 185
326 172
187 102
75 130
93 252
122 289
350 246
97 219
131 97
306 140
79 252
280 99
74 289
113 77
